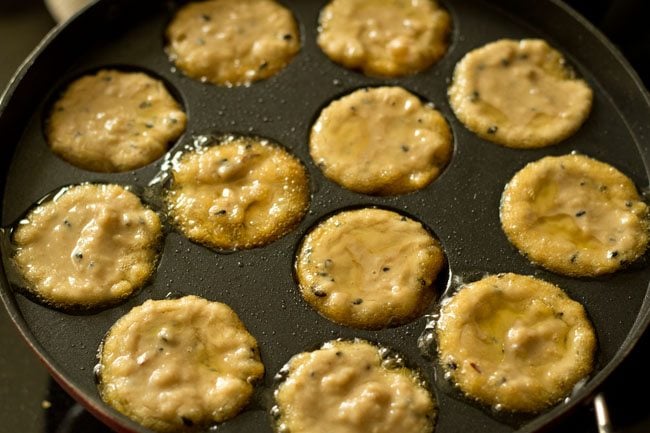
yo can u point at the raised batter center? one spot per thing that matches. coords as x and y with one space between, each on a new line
369 268
381 141
519 94
514 342
384 37
237 192
232 42
345 387
575 215
89 245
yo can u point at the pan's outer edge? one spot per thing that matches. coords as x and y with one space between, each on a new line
642 322
120 423
542 423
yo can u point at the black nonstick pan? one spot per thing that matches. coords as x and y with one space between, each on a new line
461 207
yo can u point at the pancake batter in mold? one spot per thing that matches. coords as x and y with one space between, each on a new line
349 387
575 216
237 193
179 365
384 37
114 121
369 268
519 94
514 342
381 141
88 246
232 42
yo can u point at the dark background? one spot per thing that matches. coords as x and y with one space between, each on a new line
30 402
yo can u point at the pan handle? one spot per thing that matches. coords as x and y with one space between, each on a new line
602 414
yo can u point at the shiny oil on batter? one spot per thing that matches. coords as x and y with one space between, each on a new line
384 37
89 245
241 192
232 42
369 268
178 365
382 141
347 387
519 94
114 121
515 342
575 215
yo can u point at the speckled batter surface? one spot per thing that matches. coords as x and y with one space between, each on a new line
238 192
519 94
347 387
369 268
232 42
89 245
114 121
178 365
384 37
381 141
515 342
575 215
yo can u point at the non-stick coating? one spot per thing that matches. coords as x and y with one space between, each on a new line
461 207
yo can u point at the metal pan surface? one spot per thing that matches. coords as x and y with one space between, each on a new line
461 207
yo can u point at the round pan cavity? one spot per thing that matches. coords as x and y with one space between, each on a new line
461 205
108 108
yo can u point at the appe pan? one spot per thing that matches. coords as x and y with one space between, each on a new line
461 207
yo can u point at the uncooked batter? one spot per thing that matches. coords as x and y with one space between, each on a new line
369 268
519 94
575 215
515 342
240 192
381 141
384 37
345 387
232 42
90 245
114 121
177 365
